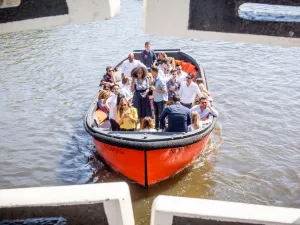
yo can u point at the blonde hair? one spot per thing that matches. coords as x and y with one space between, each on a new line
150 78
120 109
195 120
148 123
103 94
125 80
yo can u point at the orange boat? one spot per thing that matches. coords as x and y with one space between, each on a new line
148 158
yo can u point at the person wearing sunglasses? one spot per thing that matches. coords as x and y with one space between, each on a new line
127 116
181 75
188 91
204 109
108 78
173 86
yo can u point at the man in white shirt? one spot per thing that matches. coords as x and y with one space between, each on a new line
130 64
188 91
181 75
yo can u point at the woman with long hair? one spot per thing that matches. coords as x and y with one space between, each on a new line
197 123
127 116
148 125
102 101
140 87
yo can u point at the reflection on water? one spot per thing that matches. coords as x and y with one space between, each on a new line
48 78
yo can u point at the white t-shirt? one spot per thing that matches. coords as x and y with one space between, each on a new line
128 66
187 93
182 76
126 91
112 103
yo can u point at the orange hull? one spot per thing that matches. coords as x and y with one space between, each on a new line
147 167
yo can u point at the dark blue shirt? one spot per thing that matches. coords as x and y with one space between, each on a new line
148 58
178 118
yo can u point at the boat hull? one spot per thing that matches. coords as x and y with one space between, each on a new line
147 167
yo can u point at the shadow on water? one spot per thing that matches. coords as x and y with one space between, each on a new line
75 166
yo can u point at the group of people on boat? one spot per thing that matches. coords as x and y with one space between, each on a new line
152 90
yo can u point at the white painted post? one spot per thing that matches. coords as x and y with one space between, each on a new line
164 209
79 11
70 201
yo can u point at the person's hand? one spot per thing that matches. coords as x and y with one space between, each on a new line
208 104
125 115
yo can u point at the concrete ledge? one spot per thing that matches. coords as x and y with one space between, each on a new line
107 203
175 22
36 14
169 210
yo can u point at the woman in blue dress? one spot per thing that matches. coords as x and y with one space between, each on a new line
140 87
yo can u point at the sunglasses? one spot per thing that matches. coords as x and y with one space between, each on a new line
123 104
110 70
188 78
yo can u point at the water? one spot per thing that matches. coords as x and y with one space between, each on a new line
48 78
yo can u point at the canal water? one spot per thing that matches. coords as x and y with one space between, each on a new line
49 76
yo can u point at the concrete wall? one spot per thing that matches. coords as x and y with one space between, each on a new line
106 204
168 210
46 13
171 18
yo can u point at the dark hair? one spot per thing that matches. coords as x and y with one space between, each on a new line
120 96
173 70
158 62
203 98
114 86
138 69
147 43
199 80
154 68
191 75
106 86
176 98
109 68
